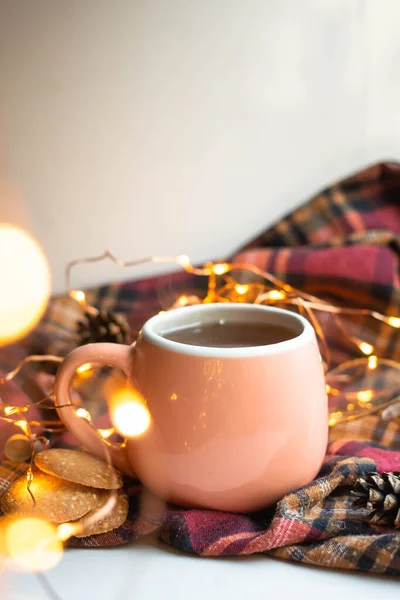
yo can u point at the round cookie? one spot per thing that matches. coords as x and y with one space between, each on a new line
78 467
56 500
114 519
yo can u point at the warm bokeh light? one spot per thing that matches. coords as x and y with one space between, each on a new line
32 545
366 348
25 283
67 530
276 295
182 300
23 425
334 418
83 414
84 368
364 395
331 390
129 413
184 261
220 268
241 289
393 321
11 410
372 362
79 296
106 433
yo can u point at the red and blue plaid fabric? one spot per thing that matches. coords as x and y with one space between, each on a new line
343 245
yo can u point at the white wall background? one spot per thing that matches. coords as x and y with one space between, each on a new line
185 126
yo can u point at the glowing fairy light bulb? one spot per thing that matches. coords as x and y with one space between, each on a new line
220 268
84 368
79 296
32 545
23 425
11 410
241 289
276 295
184 261
372 362
393 321
25 283
129 413
67 530
83 414
365 348
106 433
334 418
182 300
364 395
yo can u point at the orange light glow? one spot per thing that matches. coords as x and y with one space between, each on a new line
276 295
364 395
241 289
184 261
372 362
67 530
366 348
334 418
332 391
32 545
220 268
11 410
25 283
393 322
79 296
106 433
129 413
83 414
84 368
182 300
23 425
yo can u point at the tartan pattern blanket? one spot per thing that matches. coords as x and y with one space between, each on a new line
344 245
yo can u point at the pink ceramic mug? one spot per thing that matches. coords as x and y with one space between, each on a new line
232 429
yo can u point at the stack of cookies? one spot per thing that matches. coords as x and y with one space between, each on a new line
68 485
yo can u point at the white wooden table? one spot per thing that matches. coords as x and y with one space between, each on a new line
146 570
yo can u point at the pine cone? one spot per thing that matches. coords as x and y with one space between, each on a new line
102 326
381 495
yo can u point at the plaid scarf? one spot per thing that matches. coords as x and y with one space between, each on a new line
342 245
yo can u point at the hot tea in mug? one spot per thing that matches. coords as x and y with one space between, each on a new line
237 400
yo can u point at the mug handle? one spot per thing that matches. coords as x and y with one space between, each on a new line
117 355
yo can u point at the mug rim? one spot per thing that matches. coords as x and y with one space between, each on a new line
149 334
